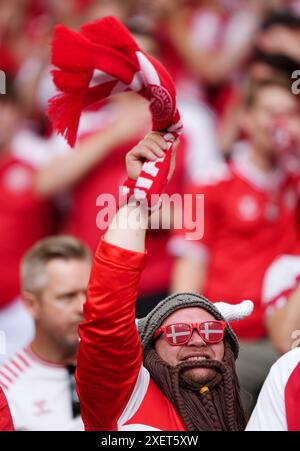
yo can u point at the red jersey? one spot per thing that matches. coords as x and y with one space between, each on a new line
115 390
23 220
249 219
6 423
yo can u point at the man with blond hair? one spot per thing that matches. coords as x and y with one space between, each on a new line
38 380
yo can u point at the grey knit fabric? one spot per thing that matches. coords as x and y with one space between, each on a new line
148 325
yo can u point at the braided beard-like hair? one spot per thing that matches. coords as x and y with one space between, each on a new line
219 409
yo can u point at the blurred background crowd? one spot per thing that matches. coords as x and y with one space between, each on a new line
232 62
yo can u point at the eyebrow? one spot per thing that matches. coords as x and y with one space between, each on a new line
70 293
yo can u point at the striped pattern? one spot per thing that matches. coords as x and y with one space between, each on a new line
11 370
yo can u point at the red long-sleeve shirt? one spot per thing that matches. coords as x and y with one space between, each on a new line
116 392
6 422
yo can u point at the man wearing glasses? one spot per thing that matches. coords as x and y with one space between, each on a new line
176 369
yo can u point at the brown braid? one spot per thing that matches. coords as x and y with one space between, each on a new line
218 409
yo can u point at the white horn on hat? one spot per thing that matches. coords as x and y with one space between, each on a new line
235 312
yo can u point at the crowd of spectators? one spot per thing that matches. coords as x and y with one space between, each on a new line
233 63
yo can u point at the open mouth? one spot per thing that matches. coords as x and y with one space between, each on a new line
196 358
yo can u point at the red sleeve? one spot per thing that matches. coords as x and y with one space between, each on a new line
6 422
110 353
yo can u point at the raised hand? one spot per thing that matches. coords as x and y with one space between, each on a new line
150 148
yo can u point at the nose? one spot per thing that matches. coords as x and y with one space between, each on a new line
196 340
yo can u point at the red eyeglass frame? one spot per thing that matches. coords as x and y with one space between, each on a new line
192 327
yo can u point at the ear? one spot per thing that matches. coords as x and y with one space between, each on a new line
31 303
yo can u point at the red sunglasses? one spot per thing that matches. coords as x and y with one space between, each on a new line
179 334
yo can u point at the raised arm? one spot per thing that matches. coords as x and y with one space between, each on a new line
216 68
110 354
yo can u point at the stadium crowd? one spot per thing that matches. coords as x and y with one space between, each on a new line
235 65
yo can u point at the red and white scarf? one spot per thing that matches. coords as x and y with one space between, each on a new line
101 60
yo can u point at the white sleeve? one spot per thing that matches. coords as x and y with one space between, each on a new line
240 30
269 413
37 151
178 246
202 152
281 279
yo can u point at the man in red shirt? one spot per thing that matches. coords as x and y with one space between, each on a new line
250 217
176 372
6 423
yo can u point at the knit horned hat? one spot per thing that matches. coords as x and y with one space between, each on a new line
220 310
